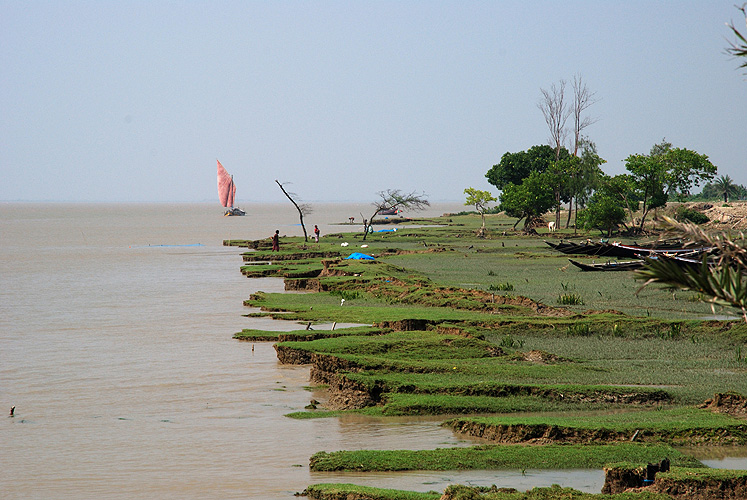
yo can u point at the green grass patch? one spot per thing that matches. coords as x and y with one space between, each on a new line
680 425
326 306
537 271
660 420
498 457
304 334
445 404
418 346
596 371
702 475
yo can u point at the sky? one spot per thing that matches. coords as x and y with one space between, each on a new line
134 101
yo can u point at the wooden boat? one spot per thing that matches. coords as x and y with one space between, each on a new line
585 248
627 265
616 249
631 251
694 260
227 192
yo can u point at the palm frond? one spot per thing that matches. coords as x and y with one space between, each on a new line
723 280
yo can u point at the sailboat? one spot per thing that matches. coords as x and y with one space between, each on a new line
227 191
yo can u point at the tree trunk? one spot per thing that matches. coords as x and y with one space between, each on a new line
570 211
300 212
368 224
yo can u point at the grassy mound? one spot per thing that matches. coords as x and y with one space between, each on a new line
488 457
683 426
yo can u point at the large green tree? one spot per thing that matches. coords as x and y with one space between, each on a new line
530 199
583 175
666 172
515 167
621 188
604 213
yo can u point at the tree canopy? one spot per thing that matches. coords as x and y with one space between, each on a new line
725 187
530 199
395 199
715 189
604 213
666 172
515 167
480 199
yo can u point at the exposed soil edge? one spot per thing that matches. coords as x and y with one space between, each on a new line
545 434
699 487
730 403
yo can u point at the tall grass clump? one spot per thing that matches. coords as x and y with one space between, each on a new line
579 330
674 332
501 287
508 342
570 299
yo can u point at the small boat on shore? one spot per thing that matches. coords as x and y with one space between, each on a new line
389 211
227 192
620 250
627 265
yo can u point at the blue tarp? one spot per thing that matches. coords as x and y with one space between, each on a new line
359 256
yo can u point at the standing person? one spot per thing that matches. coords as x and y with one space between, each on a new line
276 241
316 233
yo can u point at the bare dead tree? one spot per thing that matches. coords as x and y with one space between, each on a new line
582 99
303 209
394 199
556 111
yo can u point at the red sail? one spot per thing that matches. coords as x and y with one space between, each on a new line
226 187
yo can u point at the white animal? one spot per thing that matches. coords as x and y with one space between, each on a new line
342 302
551 226
344 244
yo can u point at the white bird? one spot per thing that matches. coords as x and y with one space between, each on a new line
342 301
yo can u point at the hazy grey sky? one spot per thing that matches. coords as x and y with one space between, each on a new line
135 100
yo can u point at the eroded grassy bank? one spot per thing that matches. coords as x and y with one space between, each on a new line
453 331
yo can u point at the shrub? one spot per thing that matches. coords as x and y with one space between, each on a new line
579 330
501 287
688 214
570 299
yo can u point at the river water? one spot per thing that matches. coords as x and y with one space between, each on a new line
116 350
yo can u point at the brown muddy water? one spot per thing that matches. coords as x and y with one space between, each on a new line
116 350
